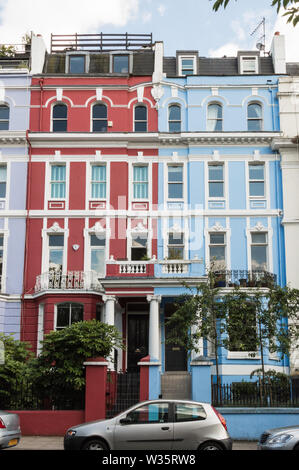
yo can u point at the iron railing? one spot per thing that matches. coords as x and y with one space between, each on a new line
122 391
244 278
25 395
99 42
255 394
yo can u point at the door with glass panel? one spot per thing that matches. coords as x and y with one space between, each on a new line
56 249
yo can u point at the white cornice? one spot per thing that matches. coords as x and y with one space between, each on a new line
90 139
12 137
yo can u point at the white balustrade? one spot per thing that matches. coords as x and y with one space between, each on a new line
71 280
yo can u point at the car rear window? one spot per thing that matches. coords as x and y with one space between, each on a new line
189 412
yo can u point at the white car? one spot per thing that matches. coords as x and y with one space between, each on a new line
286 438
10 431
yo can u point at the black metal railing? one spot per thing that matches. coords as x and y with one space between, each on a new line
254 394
244 278
122 391
99 42
25 395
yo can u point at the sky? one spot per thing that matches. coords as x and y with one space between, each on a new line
187 24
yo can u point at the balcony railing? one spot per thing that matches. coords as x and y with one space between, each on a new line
174 267
71 280
99 42
244 278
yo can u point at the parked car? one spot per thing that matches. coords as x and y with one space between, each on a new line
10 431
154 425
286 438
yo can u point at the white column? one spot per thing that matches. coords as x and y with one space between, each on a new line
109 316
154 327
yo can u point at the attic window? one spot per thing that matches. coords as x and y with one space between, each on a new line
187 65
249 64
77 64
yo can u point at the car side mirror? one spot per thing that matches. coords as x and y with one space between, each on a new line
125 420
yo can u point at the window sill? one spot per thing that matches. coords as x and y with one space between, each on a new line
242 355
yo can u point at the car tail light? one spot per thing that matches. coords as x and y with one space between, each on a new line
2 425
221 419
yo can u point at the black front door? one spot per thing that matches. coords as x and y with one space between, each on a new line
137 340
175 356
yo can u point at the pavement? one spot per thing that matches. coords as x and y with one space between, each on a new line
56 443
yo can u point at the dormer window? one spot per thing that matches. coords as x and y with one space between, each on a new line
249 64
187 65
120 63
76 64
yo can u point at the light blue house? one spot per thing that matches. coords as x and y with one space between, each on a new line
15 84
220 197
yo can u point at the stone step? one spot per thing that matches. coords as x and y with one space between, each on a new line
176 385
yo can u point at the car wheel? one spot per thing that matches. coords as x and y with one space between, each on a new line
211 446
296 447
95 444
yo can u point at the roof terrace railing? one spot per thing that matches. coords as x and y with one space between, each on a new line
99 42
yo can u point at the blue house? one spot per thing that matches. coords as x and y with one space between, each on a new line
15 84
220 196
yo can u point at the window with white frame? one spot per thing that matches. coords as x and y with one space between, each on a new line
99 118
140 118
259 251
249 64
58 181
140 181
120 63
56 250
176 245
98 181
216 180
67 314
139 246
217 250
98 253
214 121
254 117
175 181
257 180
3 177
76 63
174 118
59 117
187 65
4 117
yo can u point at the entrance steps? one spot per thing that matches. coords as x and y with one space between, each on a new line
176 385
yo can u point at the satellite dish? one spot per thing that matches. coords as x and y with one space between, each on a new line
260 46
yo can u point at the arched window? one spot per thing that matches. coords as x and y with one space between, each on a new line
254 117
140 118
99 118
174 118
59 117
67 314
4 117
214 122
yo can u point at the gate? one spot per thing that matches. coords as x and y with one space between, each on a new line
122 391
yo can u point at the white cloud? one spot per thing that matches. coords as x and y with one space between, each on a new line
229 49
161 9
291 34
146 17
61 16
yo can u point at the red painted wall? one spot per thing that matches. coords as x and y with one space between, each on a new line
77 185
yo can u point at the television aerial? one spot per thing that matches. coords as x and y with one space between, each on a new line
261 42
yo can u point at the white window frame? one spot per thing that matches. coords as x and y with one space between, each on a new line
130 61
261 119
187 57
134 165
6 120
59 119
134 120
99 182
168 112
248 58
216 198
77 53
179 245
70 314
96 229
54 230
52 198
97 119
251 164
217 119
265 244
172 199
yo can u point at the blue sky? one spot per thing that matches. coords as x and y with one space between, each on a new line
180 24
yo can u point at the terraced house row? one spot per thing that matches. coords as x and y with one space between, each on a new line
124 172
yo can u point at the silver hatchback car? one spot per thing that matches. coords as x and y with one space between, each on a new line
154 425
286 438
10 432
